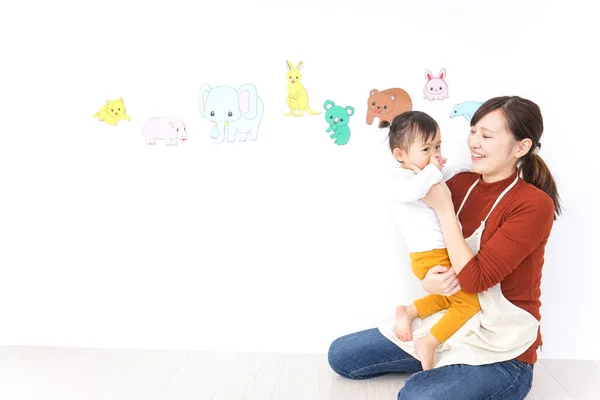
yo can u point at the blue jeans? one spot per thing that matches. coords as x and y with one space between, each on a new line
367 354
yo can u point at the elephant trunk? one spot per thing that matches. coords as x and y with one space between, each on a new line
223 128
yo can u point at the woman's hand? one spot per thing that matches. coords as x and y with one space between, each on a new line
441 280
440 199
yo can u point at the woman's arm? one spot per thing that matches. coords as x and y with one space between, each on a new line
519 235
458 250
441 280
440 199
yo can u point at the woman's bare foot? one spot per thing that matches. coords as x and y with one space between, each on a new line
425 347
404 318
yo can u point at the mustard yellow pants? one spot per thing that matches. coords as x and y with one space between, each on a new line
461 306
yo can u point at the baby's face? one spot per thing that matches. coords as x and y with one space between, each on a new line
419 153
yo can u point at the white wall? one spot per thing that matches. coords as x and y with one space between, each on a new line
281 244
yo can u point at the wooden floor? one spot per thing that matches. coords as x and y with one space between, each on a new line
36 373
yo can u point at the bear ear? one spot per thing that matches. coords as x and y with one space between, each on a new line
328 104
393 97
373 91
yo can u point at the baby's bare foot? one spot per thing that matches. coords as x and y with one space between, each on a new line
403 325
425 348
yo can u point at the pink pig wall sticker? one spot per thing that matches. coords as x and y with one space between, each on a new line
436 87
168 129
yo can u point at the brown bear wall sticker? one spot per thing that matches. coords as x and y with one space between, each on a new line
386 105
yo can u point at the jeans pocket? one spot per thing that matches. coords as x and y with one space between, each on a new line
530 366
520 364
516 364
530 386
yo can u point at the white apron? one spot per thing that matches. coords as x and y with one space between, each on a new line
500 331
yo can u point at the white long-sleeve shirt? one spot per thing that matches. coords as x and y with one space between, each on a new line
418 222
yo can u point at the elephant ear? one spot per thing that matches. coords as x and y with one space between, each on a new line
202 98
247 100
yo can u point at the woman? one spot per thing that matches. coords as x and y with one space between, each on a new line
512 191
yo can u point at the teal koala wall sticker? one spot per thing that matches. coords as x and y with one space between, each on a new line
338 117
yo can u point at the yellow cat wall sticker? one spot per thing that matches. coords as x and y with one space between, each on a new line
112 112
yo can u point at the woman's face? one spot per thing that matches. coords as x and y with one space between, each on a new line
493 147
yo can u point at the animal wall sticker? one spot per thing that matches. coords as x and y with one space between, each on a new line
297 99
436 87
465 109
386 105
236 113
168 129
338 117
112 112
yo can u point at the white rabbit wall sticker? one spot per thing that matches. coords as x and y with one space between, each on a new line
436 87
236 113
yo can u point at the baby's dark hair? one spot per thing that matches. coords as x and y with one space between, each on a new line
409 126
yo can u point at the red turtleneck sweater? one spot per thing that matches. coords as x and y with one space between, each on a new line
512 244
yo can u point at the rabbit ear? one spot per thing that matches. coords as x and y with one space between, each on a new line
289 64
299 66
428 75
442 73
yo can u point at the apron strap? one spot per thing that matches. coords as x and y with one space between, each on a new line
501 196
465 198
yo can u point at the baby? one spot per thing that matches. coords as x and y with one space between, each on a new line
415 141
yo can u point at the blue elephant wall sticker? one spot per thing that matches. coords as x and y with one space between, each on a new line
236 113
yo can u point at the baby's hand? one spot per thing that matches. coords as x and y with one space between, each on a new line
437 160
415 168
